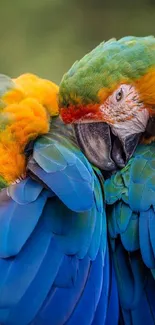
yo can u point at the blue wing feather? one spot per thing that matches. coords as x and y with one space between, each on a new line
61 302
25 192
82 313
53 233
113 304
102 308
77 194
56 165
14 217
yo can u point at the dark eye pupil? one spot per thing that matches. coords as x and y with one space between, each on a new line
119 95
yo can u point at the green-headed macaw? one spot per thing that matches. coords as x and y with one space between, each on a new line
55 267
109 97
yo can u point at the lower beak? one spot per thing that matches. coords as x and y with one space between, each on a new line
122 150
102 147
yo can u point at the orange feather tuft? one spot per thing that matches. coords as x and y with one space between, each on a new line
45 91
146 89
28 109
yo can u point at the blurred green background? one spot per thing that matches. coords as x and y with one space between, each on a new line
46 36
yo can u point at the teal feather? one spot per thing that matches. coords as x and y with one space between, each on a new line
130 197
124 216
130 237
112 220
145 240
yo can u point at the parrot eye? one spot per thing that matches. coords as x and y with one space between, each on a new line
119 95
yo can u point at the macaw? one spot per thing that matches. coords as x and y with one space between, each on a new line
109 98
55 266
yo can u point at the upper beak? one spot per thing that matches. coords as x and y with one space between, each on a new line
102 147
95 141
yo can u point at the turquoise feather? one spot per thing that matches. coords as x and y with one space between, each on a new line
130 198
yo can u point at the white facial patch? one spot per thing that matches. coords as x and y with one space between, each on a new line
122 104
126 112
135 125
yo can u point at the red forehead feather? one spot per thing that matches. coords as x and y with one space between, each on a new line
73 113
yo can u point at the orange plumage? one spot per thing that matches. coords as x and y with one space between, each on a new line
27 110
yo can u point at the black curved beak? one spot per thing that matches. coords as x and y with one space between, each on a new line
102 147
123 150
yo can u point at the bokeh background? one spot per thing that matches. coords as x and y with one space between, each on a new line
46 36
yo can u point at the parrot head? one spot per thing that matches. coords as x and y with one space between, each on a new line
26 106
109 97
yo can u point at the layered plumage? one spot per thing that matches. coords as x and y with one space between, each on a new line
55 266
130 198
112 89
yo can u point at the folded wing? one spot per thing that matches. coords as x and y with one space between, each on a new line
54 266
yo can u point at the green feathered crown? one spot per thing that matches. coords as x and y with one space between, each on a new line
107 65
